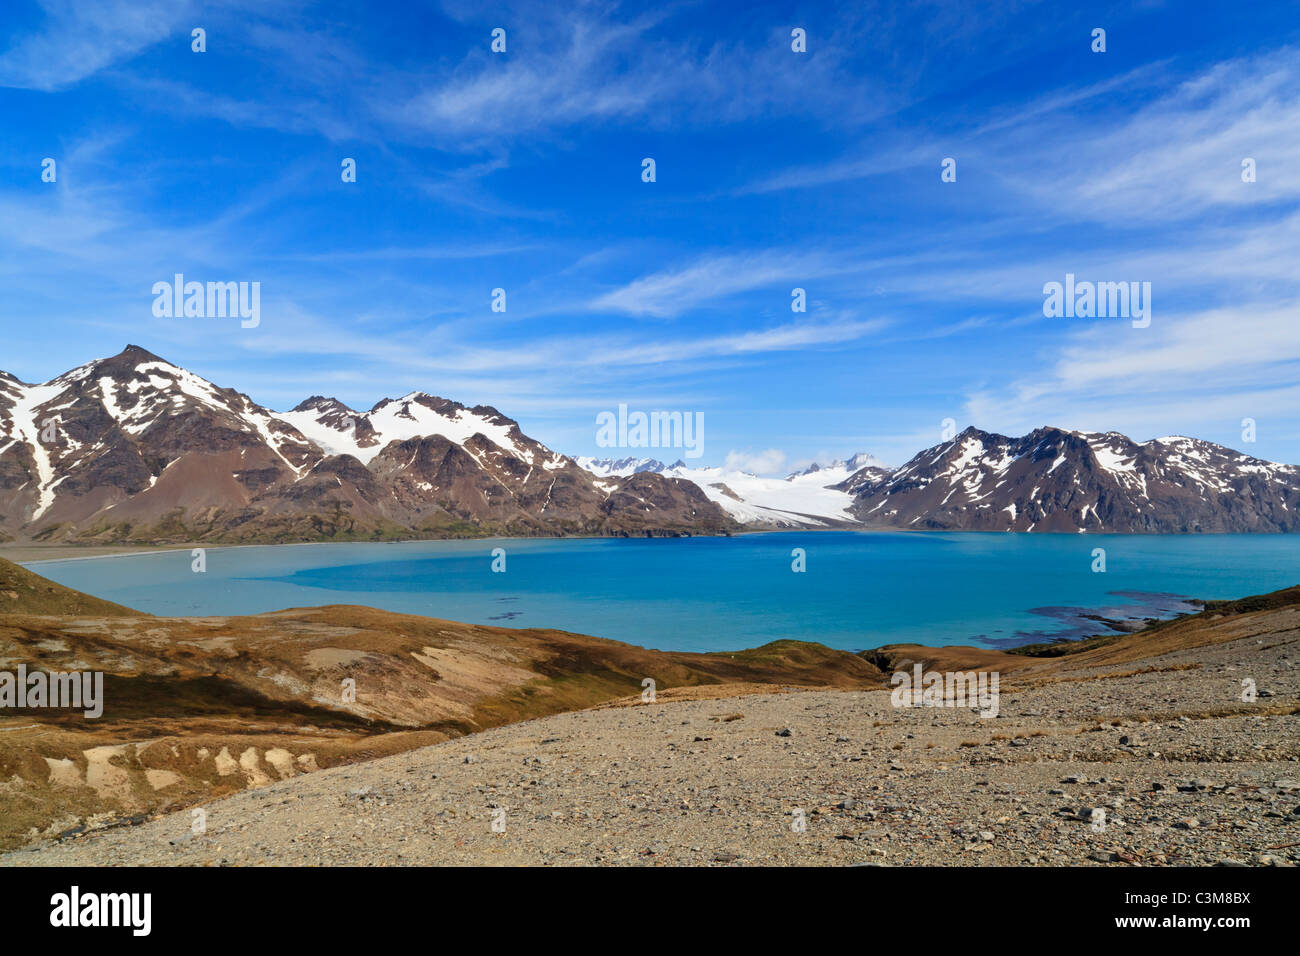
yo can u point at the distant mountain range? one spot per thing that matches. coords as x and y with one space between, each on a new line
134 449
1057 480
621 467
628 466
859 463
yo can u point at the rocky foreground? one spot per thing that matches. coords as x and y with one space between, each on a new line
1186 772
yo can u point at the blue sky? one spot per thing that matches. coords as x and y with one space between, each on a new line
775 170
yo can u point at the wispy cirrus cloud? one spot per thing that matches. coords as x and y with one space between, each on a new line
709 278
842 170
1181 153
300 114
78 39
777 170
593 64
1172 156
442 350
1106 375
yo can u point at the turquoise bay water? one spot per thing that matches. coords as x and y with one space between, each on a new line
860 589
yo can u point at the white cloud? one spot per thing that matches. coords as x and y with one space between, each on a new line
672 292
1187 373
1177 155
567 66
80 38
756 463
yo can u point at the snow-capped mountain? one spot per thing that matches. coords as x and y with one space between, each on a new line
338 430
622 467
1058 480
846 476
842 467
134 448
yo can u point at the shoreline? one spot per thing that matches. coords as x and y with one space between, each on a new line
26 553
18 552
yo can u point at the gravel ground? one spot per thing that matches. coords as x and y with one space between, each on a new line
727 781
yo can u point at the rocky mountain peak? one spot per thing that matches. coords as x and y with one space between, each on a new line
144 450
1054 479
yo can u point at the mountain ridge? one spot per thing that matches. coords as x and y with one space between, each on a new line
135 449
1062 480
132 449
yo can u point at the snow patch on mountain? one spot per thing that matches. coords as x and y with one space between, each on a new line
621 467
332 436
804 500
339 430
840 468
800 500
26 428
1054 479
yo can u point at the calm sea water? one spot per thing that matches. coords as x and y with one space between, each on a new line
859 590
